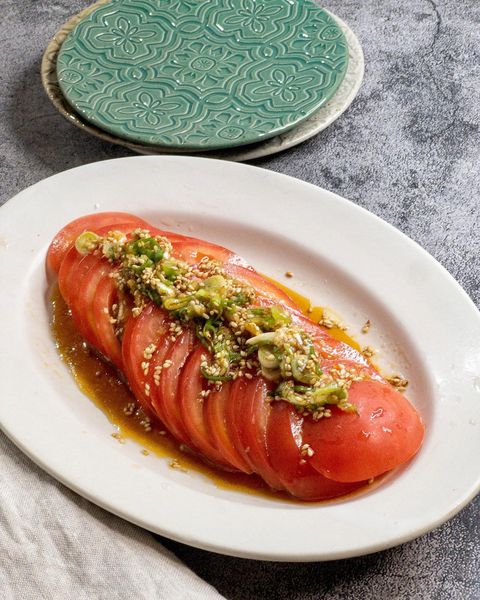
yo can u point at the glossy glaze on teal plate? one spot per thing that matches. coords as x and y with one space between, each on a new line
202 74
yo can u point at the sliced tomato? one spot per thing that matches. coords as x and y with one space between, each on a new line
79 280
73 268
192 405
66 237
249 411
170 235
327 346
81 297
192 250
262 286
100 312
284 442
163 348
235 405
74 265
217 422
386 432
140 332
169 379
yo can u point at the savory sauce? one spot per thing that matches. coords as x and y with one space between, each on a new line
102 384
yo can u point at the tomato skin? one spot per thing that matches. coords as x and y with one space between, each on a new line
164 346
216 409
169 380
386 433
192 406
99 223
192 250
262 285
284 441
66 237
72 269
106 295
327 346
248 414
148 328
88 274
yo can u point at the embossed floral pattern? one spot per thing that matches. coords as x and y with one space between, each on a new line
201 63
180 6
253 15
82 77
126 35
201 74
284 85
149 109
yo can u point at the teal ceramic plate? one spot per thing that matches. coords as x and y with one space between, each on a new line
202 74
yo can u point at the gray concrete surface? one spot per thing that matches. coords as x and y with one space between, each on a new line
407 150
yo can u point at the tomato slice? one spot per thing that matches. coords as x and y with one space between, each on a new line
192 250
284 442
249 410
163 348
90 298
66 237
262 286
140 332
216 407
74 266
234 407
169 380
328 347
192 405
386 433
89 272
100 312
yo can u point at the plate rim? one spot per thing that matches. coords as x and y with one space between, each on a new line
331 198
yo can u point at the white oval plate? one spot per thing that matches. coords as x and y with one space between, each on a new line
423 323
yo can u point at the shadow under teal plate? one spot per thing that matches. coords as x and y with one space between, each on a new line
202 74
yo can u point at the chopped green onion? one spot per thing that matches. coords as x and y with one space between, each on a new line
267 358
176 303
262 339
216 282
87 242
148 247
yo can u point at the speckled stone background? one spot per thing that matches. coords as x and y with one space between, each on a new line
408 150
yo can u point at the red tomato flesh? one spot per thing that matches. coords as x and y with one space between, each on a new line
248 414
217 422
163 348
284 442
73 266
100 312
148 328
261 285
192 250
66 237
192 406
89 272
386 433
177 355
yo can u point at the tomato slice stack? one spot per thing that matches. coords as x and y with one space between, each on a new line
238 427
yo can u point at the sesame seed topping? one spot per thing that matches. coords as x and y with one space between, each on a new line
366 326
